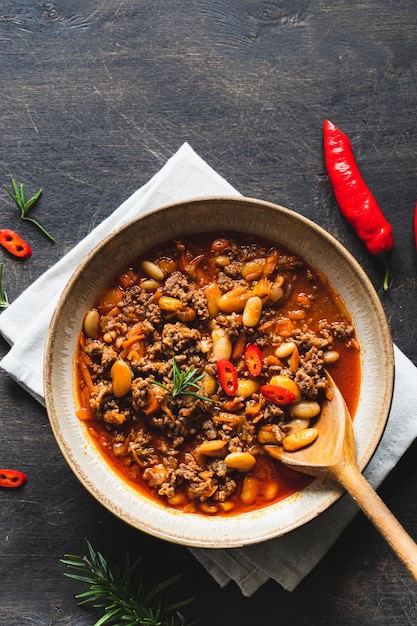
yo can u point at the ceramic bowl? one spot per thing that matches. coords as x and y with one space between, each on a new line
283 226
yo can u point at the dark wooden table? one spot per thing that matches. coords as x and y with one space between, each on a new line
95 97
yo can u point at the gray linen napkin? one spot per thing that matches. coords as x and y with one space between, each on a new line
288 559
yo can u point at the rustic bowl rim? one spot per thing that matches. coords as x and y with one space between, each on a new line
88 464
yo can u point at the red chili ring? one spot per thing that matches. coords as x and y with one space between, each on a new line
14 244
227 374
12 478
277 394
253 359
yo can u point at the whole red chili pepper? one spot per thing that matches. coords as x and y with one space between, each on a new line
15 244
253 359
227 374
12 478
354 198
277 394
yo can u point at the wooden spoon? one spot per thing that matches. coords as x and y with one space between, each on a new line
333 455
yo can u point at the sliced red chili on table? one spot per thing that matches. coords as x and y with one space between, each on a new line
14 244
12 478
253 359
277 395
227 374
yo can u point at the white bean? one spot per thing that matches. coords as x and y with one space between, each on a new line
297 424
331 356
284 350
153 270
242 461
249 491
252 312
208 385
271 490
246 387
121 376
167 303
301 439
214 447
222 346
208 508
149 284
305 409
92 323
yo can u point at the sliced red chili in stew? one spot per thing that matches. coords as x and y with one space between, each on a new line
14 244
12 478
277 395
227 374
253 359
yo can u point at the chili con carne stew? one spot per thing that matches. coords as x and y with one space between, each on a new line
201 352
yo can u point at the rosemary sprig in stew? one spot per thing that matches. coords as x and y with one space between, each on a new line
121 594
19 196
183 382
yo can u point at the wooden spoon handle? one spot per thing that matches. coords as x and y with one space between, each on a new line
379 514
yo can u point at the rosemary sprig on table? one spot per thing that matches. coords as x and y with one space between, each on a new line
183 382
4 300
19 196
121 594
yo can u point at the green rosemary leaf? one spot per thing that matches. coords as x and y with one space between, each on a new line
174 606
87 594
86 601
82 579
4 300
197 395
29 203
155 382
103 620
72 560
45 232
16 196
162 586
